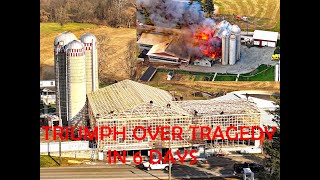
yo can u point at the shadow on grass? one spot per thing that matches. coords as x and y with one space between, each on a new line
54 160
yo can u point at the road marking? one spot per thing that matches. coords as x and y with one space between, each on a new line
237 77
215 74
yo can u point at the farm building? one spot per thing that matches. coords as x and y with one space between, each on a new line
185 46
265 38
162 53
163 48
76 71
130 104
48 95
47 83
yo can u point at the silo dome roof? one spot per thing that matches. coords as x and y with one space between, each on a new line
75 44
225 33
64 37
87 38
235 29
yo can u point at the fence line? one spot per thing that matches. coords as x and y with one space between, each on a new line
65 146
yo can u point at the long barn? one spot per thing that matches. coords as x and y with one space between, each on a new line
265 38
130 104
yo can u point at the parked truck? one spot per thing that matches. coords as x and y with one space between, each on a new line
160 166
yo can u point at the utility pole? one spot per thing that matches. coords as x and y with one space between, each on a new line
247 26
60 151
59 102
48 148
170 151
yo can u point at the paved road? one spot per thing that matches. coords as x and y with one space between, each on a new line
251 58
118 172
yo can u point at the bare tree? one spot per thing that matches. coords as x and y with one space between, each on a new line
61 15
131 58
44 16
115 13
129 16
102 53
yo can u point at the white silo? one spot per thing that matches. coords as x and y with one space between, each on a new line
225 48
237 31
76 82
232 49
91 57
60 43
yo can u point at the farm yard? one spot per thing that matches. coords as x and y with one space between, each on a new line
187 85
264 15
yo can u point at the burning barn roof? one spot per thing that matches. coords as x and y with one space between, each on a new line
152 39
170 48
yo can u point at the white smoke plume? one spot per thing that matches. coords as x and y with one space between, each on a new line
170 13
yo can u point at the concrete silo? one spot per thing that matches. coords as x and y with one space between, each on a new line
76 82
91 57
60 65
237 32
225 48
232 49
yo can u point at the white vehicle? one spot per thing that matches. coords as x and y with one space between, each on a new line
169 76
251 150
148 166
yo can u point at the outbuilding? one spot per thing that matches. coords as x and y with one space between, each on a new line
265 38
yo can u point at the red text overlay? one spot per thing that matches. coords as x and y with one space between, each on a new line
197 133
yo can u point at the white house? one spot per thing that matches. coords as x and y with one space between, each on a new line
202 62
48 95
265 38
47 83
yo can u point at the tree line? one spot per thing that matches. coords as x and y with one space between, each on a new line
206 5
114 13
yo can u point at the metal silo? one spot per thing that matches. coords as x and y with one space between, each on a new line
91 57
232 50
60 43
237 31
76 82
225 47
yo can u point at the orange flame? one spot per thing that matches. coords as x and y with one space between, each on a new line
207 51
206 47
202 36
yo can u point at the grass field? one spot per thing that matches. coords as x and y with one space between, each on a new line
222 77
47 161
267 74
117 45
262 73
264 14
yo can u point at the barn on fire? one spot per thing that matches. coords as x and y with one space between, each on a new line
147 40
202 46
163 48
